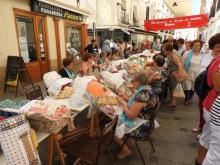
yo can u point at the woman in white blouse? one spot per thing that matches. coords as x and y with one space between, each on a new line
192 63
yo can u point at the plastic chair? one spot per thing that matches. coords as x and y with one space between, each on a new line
87 149
145 138
34 93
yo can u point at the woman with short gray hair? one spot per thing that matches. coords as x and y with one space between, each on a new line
106 46
142 105
102 58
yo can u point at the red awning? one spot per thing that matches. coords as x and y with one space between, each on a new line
193 21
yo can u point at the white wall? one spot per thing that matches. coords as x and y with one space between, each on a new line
8 39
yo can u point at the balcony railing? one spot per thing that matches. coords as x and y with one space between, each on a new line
124 18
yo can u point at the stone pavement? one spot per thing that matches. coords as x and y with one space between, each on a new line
174 142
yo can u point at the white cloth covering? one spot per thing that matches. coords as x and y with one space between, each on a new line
50 77
57 85
115 78
80 84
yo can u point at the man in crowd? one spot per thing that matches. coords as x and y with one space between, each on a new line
181 46
172 41
91 47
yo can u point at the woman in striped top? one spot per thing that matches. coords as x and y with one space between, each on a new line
213 155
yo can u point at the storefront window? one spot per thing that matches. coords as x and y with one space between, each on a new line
25 27
73 42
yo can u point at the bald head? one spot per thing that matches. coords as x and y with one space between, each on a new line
170 38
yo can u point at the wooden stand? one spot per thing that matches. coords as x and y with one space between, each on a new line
54 140
16 71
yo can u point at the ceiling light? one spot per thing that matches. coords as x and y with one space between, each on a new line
174 4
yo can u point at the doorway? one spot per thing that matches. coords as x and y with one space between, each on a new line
32 46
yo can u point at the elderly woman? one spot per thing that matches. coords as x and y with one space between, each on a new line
188 45
173 63
192 61
86 65
213 80
106 46
66 71
102 59
116 56
141 105
159 75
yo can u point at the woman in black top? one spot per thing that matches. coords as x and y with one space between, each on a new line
66 71
91 47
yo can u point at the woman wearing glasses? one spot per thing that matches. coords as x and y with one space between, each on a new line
142 105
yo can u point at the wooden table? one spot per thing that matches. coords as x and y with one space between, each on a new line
53 139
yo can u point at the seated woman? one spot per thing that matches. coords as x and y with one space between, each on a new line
66 71
116 56
159 75
108 57
102 58
86 65
95 59
142 105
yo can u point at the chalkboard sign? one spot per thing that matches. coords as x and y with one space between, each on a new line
16 71
13 66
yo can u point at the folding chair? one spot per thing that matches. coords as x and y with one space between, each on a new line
34 93
145 138
87 149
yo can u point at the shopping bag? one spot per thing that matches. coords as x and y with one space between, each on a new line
178 91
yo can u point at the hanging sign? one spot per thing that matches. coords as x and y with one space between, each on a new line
193 21
45 8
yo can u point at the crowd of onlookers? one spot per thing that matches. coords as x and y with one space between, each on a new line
176 56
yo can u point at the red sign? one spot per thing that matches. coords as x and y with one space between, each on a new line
193 21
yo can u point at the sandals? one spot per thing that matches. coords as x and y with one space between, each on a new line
196 130
190 101
124 154
198 137
186 103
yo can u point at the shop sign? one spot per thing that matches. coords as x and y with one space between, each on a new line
193 21
45 8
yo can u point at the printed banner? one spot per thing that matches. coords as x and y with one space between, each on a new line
193 21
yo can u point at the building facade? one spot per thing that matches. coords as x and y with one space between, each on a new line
43 32
213 10
124 19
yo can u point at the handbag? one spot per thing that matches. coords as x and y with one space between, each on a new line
175 74
178 91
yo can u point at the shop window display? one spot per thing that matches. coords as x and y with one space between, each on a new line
27 43
73 42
